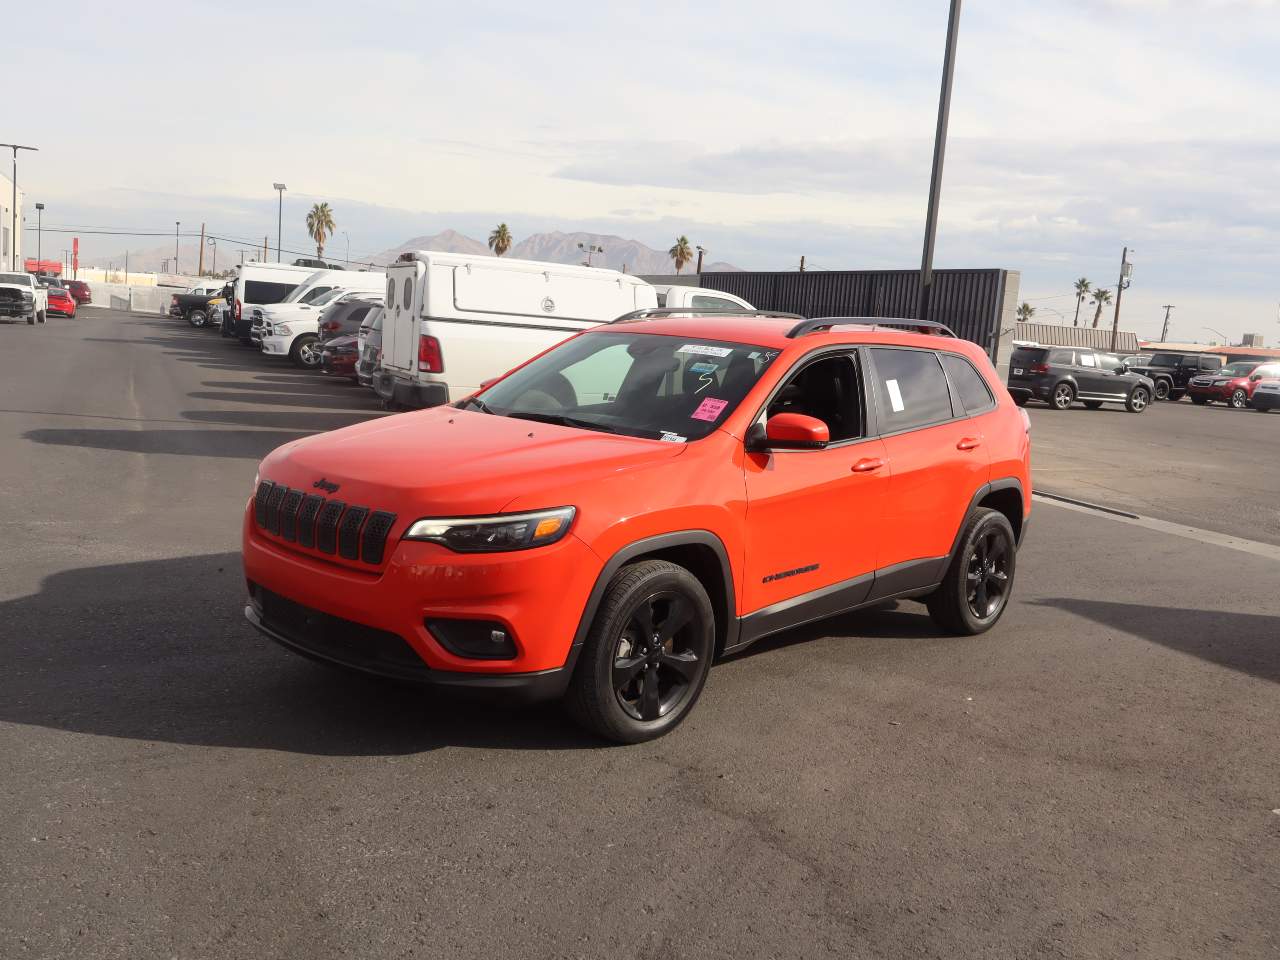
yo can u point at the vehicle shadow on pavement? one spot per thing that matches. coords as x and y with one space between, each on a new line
241 444
1245 642
160 651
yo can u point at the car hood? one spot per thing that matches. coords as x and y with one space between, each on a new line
450 462
282 312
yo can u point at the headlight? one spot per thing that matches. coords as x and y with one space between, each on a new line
513 531
279 329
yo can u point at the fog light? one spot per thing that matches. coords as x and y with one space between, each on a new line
474 639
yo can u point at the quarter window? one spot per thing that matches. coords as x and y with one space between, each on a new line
975 396
1064 358
714 303
911 389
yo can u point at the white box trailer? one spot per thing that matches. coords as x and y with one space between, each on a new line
453 321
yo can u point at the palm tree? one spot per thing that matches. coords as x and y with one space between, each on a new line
320 225
681 253
1026 311
500 240
1101 295
1082 290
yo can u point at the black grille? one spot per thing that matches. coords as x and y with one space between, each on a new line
311 505
333 638
349 533
327 526
375 536
289 514
260 502
273 507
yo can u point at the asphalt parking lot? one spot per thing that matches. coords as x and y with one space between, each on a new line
1096 777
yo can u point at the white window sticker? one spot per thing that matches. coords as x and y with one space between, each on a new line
895 396
1086 360
704 350
669 437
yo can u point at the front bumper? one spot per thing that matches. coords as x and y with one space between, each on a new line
396 389
537 595
1210 393
276 346
23 309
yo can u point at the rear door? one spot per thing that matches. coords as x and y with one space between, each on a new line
1091 379
400 321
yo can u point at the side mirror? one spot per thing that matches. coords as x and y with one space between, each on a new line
790 431
1255 378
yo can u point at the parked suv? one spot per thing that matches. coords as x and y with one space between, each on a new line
1172 372
1234 384
604 520
1061 375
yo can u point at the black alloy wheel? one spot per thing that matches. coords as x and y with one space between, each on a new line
647 655
1239 399
1062 396
979 581
1162 389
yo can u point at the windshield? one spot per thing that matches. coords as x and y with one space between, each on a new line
1238 369
22 278
659 387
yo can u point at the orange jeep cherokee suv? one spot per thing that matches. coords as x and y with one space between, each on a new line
605 520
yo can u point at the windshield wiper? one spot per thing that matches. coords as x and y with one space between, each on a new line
479 405
561 420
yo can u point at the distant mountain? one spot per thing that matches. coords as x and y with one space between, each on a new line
556 247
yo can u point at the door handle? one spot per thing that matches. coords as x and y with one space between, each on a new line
867 464
969 443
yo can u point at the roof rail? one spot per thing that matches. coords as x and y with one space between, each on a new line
826 323
652 312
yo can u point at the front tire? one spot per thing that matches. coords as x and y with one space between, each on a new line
197 318
1239 399
304 352
1176 395
1162 389
647 656
979 581
1063 395
1137 400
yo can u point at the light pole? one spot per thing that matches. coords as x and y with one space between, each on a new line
39 233
1126 271
213 242
346 237
280 189
13 228
590 249
1226 341
939 155
176 225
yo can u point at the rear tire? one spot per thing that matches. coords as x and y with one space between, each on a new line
1137 400
1092 404
979 580
1063 395
646 658
1176 395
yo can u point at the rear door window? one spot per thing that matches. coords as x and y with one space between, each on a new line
391 291
408 293
974 395
911 389
1062 358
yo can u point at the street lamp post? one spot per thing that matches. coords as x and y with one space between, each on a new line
39 234
280 189
939 155
213 242
1226 341
13 229
347 237
590 249
176 225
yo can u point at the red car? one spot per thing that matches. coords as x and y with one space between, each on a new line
1233 384
340 355
79 291
61 302
603 522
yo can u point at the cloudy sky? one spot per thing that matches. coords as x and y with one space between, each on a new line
762 130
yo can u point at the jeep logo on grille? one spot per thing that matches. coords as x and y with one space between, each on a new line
325 485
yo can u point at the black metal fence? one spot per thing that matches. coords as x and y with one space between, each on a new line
970 302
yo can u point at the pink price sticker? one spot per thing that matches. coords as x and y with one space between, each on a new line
709 409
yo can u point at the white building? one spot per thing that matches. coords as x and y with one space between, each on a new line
10 241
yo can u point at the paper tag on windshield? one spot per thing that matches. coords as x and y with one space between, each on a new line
709 409
704 350
895 396
669 437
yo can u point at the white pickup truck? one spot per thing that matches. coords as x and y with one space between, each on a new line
22 298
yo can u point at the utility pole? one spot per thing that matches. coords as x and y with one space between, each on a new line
802 263
939 155
176 225
266 252
1126 271
1164 331
280 189
13 210
39 234
200 268
701 251
126 268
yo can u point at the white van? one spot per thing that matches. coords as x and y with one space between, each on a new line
453 321
261 283
312 295
697 298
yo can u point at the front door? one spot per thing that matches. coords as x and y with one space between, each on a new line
813 516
